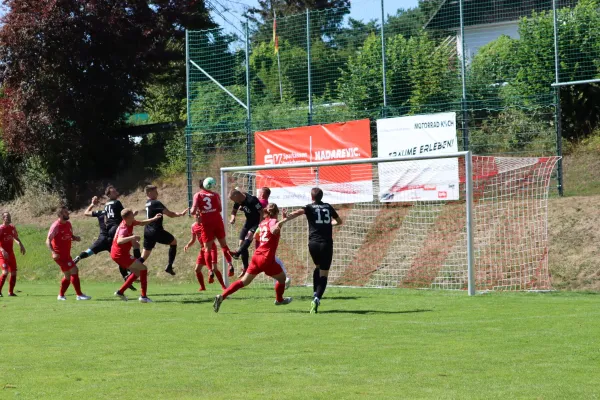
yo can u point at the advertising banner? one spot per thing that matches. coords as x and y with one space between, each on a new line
340 184
425 180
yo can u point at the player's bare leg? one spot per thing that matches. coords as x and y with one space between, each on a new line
234 287
200 277
145 255
280 289
137 270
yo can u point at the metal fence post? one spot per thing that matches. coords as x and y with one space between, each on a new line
310 104
248 99
383 66
188 138
557 109
463 70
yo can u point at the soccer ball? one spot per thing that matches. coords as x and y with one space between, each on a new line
209 183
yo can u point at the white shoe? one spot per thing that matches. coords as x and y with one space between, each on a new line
217 303
145 300
83 297
61 298
286 300
288 283
121 296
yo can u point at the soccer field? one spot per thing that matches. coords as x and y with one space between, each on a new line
363 344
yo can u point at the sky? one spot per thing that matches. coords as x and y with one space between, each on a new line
364 10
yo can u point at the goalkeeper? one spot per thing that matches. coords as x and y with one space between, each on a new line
253 210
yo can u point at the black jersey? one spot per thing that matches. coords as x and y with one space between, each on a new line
113 213
101 215
251 207
154 207
319 216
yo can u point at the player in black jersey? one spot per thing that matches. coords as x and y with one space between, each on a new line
155 232
253 210
104 241
321 219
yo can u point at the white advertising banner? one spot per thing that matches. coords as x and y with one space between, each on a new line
423 180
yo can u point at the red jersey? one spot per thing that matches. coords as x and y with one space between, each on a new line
61 236
124 230
209 205
8 233
268 240
197 232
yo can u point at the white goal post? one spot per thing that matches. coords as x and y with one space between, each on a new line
489 233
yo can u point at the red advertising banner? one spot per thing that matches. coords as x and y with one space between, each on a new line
341 184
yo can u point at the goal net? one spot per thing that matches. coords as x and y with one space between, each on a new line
399 232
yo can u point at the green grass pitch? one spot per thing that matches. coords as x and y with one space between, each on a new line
377 344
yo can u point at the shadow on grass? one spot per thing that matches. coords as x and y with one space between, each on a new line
363 312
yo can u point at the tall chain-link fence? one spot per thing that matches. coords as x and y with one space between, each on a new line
498 64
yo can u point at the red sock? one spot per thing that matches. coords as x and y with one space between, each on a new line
76 284
144 281
234 287
200 278
2 280
208 258
11 284
213 253
279 289
220 278
225 251
130 280
64 285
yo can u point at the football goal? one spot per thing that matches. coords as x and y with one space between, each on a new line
453 221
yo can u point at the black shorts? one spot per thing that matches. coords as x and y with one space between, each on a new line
248 228
103 243
321 253
112 230
151 237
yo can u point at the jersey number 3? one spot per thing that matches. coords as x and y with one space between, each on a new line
320 219
208 202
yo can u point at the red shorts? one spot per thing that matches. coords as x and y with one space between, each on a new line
65 263
212 230
124 261
9 265
260 264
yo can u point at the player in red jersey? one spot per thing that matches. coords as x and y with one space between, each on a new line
122 243
201 260
208 203
8 262
263 196
59 241
263 260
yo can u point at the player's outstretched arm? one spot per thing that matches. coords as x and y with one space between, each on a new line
149 221
291 216
127 239
89 210
172 214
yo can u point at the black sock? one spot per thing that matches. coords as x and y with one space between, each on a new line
172 254
316 276
84 254
244 246
124 272
137 253
245 258
321 287
141 259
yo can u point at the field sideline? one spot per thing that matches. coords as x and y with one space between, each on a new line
366 343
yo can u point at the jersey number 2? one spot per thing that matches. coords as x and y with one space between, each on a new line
327 218
263 236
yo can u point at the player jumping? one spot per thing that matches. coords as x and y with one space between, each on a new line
253 210
59 241
122 243
105 237
208 203
8 261
321 217
263 196
263 260
155 232
201 260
